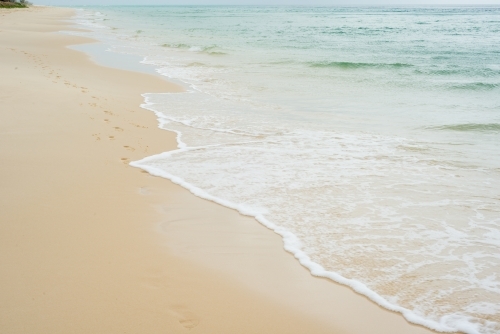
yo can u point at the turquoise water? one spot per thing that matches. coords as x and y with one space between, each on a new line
366 136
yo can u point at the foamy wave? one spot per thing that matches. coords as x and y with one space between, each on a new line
293 245
198 151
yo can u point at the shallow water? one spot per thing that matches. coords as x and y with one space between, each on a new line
367 137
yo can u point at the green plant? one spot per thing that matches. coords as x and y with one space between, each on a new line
14 4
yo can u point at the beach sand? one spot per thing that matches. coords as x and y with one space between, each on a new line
89 244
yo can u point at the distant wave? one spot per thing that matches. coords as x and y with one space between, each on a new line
476 86
483 72
216 53
472 127
195 64
353 65
176 46
211 49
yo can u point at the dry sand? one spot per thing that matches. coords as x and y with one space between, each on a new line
89 244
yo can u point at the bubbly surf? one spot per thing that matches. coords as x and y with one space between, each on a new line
366 137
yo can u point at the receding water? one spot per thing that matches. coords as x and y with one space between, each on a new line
367 137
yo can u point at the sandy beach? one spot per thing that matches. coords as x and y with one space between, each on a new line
89 244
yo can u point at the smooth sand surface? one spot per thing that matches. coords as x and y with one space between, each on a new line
89 244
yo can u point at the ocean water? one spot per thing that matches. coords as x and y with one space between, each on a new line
368 137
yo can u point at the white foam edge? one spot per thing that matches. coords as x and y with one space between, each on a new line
164 119
160 70
291 243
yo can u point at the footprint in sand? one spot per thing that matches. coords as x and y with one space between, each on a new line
186 318
118 128
111 137
129 148
124 160
138 126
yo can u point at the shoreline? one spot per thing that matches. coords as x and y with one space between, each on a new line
243 283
